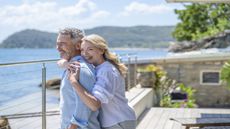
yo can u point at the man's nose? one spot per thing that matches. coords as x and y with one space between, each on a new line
58 47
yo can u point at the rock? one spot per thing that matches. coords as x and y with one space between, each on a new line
221 40
53 83
4 124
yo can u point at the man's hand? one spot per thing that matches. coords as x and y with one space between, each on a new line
72 126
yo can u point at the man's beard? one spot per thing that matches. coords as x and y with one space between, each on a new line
65 55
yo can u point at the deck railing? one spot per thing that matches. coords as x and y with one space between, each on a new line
19 80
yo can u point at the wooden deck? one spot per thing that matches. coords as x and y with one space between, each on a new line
159 118
31 104
153 118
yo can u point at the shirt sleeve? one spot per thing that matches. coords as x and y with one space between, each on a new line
104 88
82 113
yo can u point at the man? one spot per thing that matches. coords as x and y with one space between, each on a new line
74 113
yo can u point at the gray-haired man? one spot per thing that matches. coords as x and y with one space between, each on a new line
74 113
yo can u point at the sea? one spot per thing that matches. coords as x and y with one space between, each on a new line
20 80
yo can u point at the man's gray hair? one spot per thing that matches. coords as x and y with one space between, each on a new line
75 34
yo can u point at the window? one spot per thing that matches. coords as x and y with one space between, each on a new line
210 77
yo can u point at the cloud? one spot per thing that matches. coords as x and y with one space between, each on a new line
143 8
50 16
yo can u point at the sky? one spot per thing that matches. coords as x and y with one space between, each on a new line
51 15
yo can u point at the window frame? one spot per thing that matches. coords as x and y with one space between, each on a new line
209 83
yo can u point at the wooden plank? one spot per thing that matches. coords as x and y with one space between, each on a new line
169 123
203 122
180 113
160 115
149 114
155 118
163 119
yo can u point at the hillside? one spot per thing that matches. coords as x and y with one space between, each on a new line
30 39
137 36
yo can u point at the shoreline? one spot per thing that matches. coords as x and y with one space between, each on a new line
117 48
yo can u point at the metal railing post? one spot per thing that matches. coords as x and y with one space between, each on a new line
129 71
44 96
135 71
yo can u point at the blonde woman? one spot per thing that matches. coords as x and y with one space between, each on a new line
108 93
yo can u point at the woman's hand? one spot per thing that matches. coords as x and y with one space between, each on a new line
86 97
74 71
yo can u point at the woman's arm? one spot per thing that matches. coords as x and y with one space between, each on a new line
92 102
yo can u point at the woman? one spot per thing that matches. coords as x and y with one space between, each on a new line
109 90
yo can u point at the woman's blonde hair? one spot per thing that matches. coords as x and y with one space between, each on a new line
100 43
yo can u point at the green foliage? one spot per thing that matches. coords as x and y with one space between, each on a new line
189 103
149 68
127 37
225 73
159 72
166 101
201 20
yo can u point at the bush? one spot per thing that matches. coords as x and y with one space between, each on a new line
188 103
225 73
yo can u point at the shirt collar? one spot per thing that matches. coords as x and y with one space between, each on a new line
101 65
78 57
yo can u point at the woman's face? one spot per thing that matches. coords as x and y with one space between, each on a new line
92 54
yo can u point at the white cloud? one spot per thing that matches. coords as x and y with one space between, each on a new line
143 8
26 14
50 16
81 7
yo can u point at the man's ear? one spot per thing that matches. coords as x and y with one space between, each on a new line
78 46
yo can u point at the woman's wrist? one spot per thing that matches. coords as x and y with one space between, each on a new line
76 83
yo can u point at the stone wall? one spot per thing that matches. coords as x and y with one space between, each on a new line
188 71
189 74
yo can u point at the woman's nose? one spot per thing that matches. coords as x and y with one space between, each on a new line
83 53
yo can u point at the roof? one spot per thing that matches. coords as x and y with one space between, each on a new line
199 1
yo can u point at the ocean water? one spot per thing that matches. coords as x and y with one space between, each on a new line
21 55
20 80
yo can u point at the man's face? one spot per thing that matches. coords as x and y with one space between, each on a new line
64 46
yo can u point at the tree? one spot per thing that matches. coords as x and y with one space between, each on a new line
201 20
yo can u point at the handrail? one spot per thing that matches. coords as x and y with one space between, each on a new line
44 112
27 62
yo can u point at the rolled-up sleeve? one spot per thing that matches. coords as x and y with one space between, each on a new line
79 122
104 88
